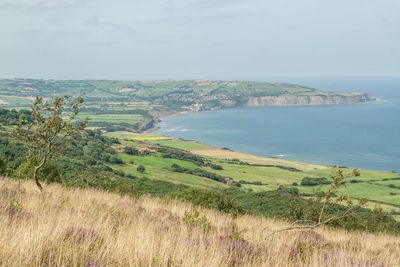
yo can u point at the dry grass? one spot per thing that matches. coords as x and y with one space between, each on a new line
65 227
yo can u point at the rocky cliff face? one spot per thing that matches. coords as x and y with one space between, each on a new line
313 100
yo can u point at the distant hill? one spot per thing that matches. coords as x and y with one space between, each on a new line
140 103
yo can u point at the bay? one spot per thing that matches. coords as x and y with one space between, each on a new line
360 135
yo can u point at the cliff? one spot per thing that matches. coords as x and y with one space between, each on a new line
306 100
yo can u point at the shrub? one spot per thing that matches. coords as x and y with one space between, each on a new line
311 181
49 173
119 173
216 167
210 199
237 184
193 218
141 169
292 191
235 233
115 140
209 175
199 172
115 160
3 166
172 153
252 182
131 151
176 168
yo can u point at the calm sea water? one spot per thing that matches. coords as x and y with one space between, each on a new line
360 135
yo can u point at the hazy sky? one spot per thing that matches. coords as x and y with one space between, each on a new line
202 39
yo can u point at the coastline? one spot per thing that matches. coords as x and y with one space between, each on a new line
272 149
365 98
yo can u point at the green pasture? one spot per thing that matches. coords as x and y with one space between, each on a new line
136 137
113 118
181 144
371 184
395 182
270 175
160 169
14 100
372 192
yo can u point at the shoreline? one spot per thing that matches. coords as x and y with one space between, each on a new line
160 118
165 118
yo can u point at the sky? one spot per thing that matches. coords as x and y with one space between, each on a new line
198 39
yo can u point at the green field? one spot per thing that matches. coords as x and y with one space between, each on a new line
159 168
14 101
372 192
113 118
138 137
269 173
389 182
181 144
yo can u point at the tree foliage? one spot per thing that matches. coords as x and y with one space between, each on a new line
11 117
52 123
4 168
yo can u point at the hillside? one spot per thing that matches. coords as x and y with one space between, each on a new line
250 172
73 227
174 167
137 105
163 201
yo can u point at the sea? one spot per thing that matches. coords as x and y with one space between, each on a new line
358 135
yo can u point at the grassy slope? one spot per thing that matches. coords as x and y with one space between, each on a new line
159 168
271 177
65 227
112 118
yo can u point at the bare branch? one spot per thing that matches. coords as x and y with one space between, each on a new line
338 180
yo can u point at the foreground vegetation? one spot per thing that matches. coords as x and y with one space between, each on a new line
75 227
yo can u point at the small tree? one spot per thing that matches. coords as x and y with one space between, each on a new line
141 169
53 122
316 214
